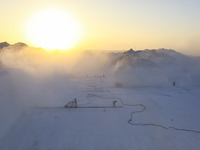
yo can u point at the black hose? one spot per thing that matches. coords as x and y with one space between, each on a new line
143 109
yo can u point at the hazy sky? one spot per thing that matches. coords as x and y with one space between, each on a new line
115 24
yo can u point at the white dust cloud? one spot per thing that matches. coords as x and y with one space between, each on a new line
32 77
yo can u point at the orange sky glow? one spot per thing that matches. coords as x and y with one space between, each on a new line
110 25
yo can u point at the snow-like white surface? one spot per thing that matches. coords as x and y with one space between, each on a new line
35 86
95 128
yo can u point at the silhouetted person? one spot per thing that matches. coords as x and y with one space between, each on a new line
75 102
174 83
114 103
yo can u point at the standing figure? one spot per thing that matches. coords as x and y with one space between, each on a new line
75 101
114 103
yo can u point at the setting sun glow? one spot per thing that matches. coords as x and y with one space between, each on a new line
53 29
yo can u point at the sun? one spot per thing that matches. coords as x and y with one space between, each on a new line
53 29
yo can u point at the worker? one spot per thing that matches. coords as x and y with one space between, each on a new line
75 101
114 103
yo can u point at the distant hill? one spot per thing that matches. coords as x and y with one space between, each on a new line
4 44
156 67
19 44
15 46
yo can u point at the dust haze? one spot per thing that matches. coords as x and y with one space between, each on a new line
33 77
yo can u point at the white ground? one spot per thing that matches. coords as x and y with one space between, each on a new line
99 129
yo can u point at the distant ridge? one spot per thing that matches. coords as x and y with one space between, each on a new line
130 51
17 45
4 44
20 44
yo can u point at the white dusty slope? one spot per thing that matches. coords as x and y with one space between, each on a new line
35 86
93 128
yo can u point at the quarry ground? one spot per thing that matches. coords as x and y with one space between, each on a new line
151 118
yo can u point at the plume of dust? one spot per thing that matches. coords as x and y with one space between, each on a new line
37 62
38 78
32 77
